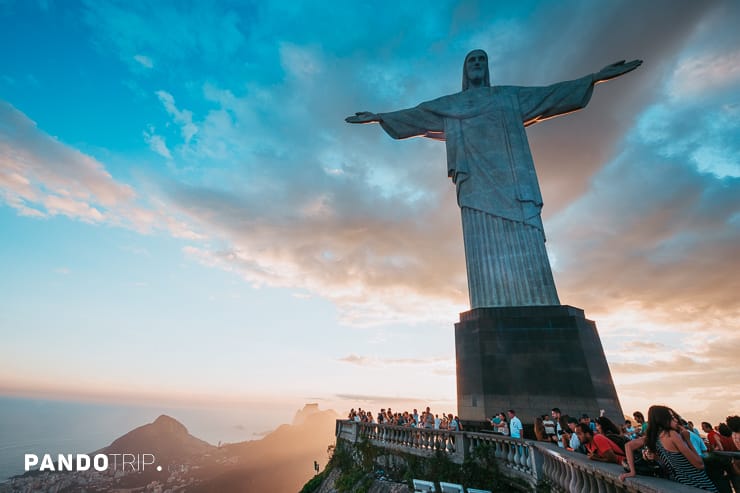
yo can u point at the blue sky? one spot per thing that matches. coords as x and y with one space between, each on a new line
186 216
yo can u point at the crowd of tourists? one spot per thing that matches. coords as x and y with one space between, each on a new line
413 419
663 445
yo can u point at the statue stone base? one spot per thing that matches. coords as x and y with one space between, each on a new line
531 359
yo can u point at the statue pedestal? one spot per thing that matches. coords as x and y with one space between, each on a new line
531 359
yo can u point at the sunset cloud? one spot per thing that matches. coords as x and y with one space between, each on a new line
694 375
376 361
43 177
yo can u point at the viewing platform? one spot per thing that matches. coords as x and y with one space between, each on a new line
527 462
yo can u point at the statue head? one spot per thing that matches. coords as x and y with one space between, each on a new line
475 70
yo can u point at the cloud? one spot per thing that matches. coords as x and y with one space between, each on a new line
695 374
399 403
171 31
640 346
375 361
144 61
708 72
711 59
42 177
184 118
440 366
157 143
658 228
300 62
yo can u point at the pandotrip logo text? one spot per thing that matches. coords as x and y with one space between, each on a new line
97 462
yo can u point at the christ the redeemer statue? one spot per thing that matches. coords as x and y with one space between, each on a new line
489 160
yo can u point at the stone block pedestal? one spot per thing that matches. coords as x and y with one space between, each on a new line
531 359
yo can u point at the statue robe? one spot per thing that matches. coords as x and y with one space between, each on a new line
489 160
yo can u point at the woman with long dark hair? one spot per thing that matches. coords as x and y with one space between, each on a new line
610 430
606 426
683 464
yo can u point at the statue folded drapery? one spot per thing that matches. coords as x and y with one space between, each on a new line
489 160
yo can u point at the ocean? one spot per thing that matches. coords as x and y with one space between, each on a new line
35 426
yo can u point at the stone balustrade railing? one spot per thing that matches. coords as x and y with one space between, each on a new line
530 461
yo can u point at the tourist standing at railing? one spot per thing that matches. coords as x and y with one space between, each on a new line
713 441
690 426
642 424
606 426
598 446
515 425
696 442
428 419
561 425
610 430
725 438
539 430
502 426
585 419
733 422
570 438
683 464
628 430
549 425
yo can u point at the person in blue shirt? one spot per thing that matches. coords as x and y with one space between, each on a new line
515 425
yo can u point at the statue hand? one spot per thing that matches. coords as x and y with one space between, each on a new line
363 117
615 70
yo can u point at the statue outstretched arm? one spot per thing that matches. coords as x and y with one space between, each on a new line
538 104
363 117
402 124
615 70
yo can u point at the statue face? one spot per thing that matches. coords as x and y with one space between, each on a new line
476 65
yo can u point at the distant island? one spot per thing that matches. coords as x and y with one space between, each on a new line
176 461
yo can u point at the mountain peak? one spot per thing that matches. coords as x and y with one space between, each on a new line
170 424
302 414
166 437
